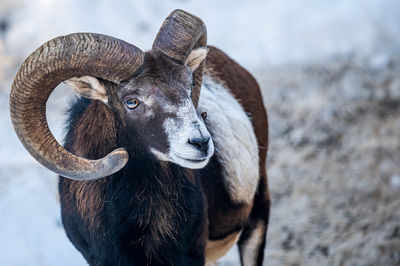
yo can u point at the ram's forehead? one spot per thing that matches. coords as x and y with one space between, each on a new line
152 93
158 68
166 107
154 85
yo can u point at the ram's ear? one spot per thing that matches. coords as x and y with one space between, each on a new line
196 57
89 87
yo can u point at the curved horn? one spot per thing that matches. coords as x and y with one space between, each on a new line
180 33
74 55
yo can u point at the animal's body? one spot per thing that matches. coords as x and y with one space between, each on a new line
162 207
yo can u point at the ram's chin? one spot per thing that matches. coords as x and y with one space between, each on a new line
192 163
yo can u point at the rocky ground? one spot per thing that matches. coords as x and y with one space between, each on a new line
334 162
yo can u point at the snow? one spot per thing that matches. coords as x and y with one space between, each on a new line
256 33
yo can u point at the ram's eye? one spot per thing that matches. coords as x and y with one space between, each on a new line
132 103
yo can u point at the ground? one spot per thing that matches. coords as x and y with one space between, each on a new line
334 163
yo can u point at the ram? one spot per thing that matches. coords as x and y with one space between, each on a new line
152 172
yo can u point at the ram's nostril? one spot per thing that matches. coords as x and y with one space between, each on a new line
200 143
195 141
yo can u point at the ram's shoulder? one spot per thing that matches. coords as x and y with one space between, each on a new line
220 66
243 86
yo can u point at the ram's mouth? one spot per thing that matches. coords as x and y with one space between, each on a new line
190 162
180 160
193 160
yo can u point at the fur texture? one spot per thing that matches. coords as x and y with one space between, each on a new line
234 140
131 218
155 212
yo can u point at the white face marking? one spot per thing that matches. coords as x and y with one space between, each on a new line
185 124
234 140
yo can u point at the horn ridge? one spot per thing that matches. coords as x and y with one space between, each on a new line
180 33
59 59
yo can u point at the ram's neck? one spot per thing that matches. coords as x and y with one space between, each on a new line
149 202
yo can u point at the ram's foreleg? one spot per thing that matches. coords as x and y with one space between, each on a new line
253 238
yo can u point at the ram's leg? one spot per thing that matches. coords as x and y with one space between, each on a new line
252 244
253 238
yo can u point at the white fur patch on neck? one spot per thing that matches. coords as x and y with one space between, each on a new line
234 140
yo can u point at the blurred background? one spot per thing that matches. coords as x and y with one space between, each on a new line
330 76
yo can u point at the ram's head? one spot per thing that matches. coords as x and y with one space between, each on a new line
154 94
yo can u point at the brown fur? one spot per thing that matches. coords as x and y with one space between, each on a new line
246 90
89 195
